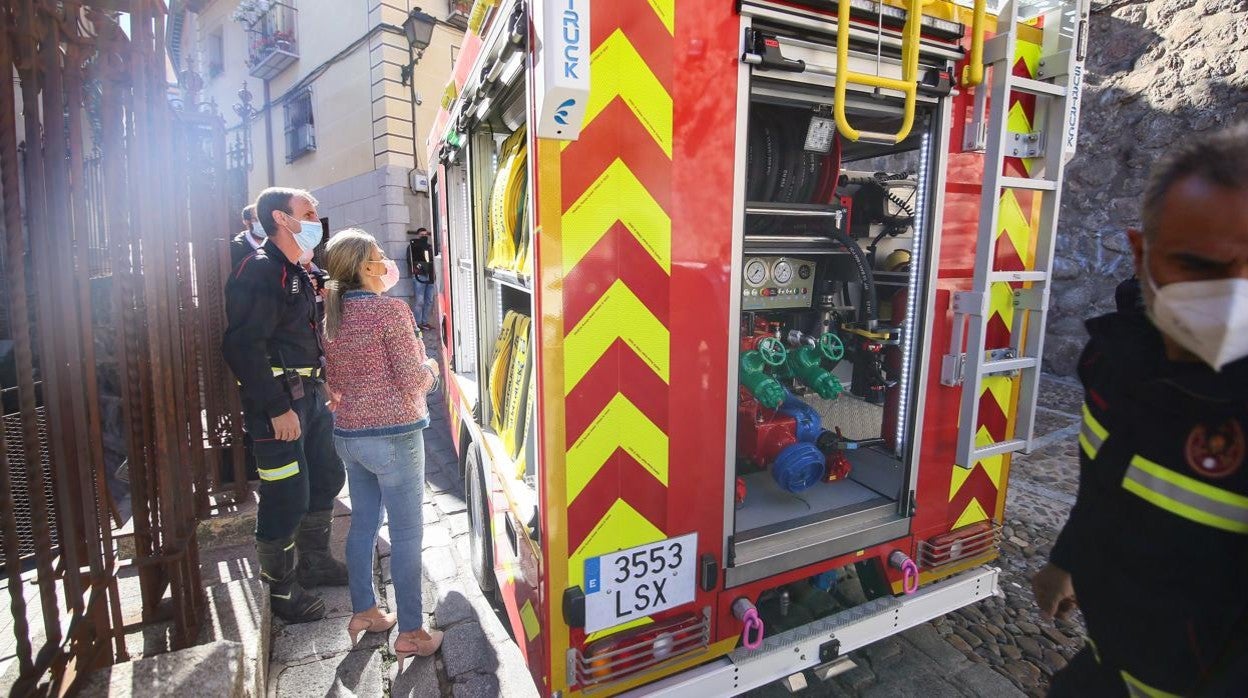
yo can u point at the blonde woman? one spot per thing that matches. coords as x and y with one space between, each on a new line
379 376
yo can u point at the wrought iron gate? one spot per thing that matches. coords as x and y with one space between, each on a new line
115 232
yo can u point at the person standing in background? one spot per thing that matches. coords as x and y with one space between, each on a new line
420 263
249 239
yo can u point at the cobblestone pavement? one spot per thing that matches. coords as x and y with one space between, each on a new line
999 647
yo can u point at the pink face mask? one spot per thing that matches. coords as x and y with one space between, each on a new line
391 277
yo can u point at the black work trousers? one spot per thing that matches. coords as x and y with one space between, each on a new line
299 476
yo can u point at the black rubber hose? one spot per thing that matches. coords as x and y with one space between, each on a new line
869 300
754 153
786 161
770 161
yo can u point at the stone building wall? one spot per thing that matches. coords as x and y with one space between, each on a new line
1159 71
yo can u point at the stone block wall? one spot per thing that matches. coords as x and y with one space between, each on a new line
1159 71
380 203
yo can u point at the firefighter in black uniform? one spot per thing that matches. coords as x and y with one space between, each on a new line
1155 552
273 346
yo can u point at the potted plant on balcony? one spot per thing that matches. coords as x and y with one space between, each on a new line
248 11
264 44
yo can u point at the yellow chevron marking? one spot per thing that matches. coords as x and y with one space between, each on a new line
993 466
616 195
1001 302
666 12
960 476
619 425
1030 53
621 527
1015 224
974 513
619 313
1002 388
619 70
1019 122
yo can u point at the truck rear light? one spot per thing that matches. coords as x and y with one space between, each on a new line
641 649
960 544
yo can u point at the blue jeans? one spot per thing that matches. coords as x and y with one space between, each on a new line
389 471
423 301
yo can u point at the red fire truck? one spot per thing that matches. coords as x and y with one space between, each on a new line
742 312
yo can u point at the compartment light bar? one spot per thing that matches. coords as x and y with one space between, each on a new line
898 15
912 292
483 109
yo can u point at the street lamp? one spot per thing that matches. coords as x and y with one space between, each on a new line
419 30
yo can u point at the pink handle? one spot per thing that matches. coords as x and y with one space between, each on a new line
752 622
909 576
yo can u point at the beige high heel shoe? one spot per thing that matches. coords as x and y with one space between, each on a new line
371 621
416 642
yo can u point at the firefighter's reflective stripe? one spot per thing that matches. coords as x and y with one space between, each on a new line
1187 497
275 474
305 372
1092 435
1096 653
1139 689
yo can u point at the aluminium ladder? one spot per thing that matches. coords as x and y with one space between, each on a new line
1057 88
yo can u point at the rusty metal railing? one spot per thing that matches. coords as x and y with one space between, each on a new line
111 294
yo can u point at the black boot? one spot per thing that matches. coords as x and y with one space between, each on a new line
317 567
289 600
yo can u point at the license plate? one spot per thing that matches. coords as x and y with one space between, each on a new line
639 582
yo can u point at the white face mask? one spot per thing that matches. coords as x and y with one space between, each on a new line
257 230
1208 318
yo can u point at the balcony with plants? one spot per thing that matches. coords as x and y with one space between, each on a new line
272 40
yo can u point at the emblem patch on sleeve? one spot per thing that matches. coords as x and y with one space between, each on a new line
1216 451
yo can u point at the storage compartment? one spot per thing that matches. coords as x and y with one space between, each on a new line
497 141
831 269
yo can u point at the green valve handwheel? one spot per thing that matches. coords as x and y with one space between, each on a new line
832 346
774 352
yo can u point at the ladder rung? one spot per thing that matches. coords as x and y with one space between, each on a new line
1021 363
1037 87
1032 183
1011 446
1009 276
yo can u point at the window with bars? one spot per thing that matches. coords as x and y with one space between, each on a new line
300 126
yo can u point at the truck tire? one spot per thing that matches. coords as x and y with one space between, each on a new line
480 535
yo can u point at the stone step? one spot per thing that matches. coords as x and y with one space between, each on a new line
217 669
238 611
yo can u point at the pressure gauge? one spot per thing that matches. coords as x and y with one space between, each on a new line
782 272
755 272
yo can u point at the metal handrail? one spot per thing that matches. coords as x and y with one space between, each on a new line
907 85
975 64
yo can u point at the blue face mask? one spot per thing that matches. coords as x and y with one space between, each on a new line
309 235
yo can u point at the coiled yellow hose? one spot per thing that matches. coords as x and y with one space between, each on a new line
505 197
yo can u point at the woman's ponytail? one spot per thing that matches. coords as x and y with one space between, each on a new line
346 252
